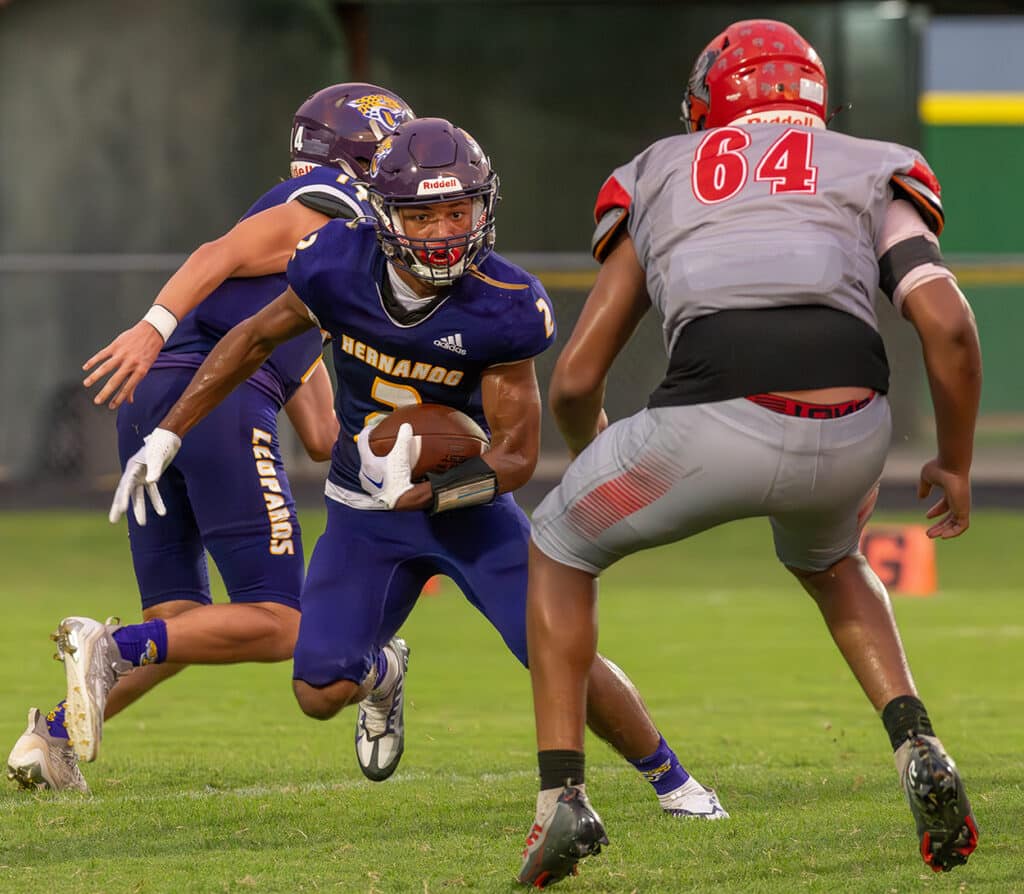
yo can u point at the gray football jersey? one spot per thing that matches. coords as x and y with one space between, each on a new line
761 216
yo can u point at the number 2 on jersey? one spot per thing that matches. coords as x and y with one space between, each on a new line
720 168
549 320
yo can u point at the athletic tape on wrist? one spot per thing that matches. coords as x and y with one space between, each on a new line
471 483
162 320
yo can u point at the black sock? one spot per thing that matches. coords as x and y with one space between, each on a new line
905 717
560 767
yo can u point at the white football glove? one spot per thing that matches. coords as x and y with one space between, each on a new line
386 478
141 473
371 466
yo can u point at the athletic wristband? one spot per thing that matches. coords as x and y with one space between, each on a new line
162 320
470 483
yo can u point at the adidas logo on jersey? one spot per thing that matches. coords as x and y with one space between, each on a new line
451 343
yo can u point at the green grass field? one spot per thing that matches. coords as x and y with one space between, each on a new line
217 783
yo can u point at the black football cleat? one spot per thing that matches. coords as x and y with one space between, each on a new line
572 831
935 792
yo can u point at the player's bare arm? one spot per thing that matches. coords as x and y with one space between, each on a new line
311 412
256 246
952 356
236 357
511 400
613 310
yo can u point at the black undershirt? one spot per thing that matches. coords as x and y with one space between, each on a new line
735 353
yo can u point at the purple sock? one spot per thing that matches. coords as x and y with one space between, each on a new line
662 769
144 643
382 667
55 722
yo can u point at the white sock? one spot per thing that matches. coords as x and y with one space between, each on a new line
546 799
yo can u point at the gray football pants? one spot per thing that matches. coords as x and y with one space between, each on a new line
665 474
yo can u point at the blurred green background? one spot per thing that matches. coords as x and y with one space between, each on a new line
131 133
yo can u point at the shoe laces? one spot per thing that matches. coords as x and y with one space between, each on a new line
66 755
379 713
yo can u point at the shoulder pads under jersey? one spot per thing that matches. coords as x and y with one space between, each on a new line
607 228
920 187
330 204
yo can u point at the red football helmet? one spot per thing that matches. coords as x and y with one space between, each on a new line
756 71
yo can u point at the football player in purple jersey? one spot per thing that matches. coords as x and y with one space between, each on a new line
761 239
228 494
398 296
334 134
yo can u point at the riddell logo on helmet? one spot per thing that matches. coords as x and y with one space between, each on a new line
787 116
438 184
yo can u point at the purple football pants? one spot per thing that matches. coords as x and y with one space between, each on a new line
226 492
368 569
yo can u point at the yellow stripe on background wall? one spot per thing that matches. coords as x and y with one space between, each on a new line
971 108
967 274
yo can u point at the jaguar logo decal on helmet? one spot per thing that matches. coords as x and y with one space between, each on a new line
383 110
383 151
341 125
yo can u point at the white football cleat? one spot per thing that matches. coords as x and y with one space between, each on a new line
92 664
380 727
39 760
692 799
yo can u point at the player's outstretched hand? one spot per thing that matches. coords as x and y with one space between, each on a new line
955 505
141 473
125 361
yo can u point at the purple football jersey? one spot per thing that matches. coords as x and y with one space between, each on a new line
236 299
497 313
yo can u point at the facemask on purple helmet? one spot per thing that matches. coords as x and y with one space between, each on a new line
341 125
430 161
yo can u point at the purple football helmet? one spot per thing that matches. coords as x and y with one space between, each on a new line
430 161
341 125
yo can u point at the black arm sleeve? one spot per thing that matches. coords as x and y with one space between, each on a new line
903 257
